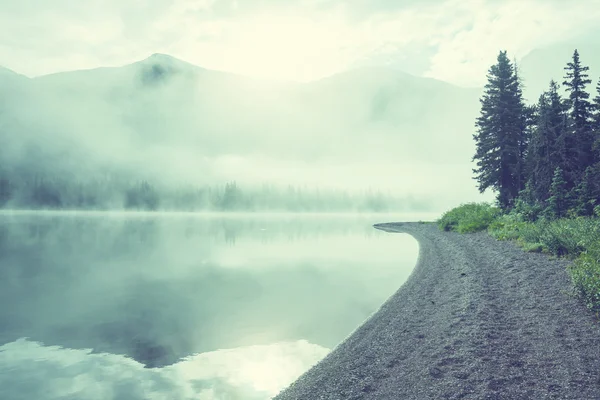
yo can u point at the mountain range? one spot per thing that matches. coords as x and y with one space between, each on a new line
167 120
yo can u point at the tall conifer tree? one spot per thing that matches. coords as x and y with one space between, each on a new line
580 126
545 152
557 203
596 123
501 134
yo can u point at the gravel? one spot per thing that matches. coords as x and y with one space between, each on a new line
477 319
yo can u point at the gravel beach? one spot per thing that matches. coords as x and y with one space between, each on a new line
477 319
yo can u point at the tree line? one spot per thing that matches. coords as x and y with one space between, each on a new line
37 191
542 159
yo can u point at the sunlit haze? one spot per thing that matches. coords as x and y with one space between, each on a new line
299 40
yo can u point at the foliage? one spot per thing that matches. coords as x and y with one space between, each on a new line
553 145
471 217
500 138
585 274
142 196
547 148
577 238
526 205
557 203
580 127
587 192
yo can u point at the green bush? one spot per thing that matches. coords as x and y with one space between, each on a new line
471 217
532 247
526 211
560 237
570 236
506 227
585 274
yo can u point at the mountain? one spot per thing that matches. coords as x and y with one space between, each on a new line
7 72
165 119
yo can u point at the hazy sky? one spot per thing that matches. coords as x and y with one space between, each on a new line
452 40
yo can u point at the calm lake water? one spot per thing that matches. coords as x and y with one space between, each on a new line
180 306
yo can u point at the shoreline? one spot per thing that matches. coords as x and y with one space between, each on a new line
222 214
477 318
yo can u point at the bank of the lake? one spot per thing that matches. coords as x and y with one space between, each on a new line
478 318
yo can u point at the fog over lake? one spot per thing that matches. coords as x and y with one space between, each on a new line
251 300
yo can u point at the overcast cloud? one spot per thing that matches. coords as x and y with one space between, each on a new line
452 40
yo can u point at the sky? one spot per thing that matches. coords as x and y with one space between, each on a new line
298 40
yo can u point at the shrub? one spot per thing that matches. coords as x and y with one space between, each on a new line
527 211
532 247
585 274
506 227
471 217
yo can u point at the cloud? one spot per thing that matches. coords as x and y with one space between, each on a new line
301 40
517 26
31 370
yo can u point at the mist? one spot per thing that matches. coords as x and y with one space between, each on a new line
178 126
169 231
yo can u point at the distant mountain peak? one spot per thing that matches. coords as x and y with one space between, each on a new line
167 61
160 67
162 57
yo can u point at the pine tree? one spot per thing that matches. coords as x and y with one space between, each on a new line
596 107
580 110
547 150
557 203
596 123
500 134
587 192
232 197
526 126
527 205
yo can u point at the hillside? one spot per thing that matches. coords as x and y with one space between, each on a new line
165 119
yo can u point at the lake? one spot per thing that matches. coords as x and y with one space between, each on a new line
182 306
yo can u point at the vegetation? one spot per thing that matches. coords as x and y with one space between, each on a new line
472 217
500 136
19 191
543 161
545 156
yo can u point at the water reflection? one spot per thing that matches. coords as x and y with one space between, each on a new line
157 289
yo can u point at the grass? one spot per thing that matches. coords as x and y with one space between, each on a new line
574 238
467 218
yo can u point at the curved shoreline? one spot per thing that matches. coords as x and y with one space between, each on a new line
476 319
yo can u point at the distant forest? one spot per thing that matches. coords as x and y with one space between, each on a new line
37 192
541 159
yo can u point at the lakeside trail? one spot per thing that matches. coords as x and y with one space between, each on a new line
477 319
